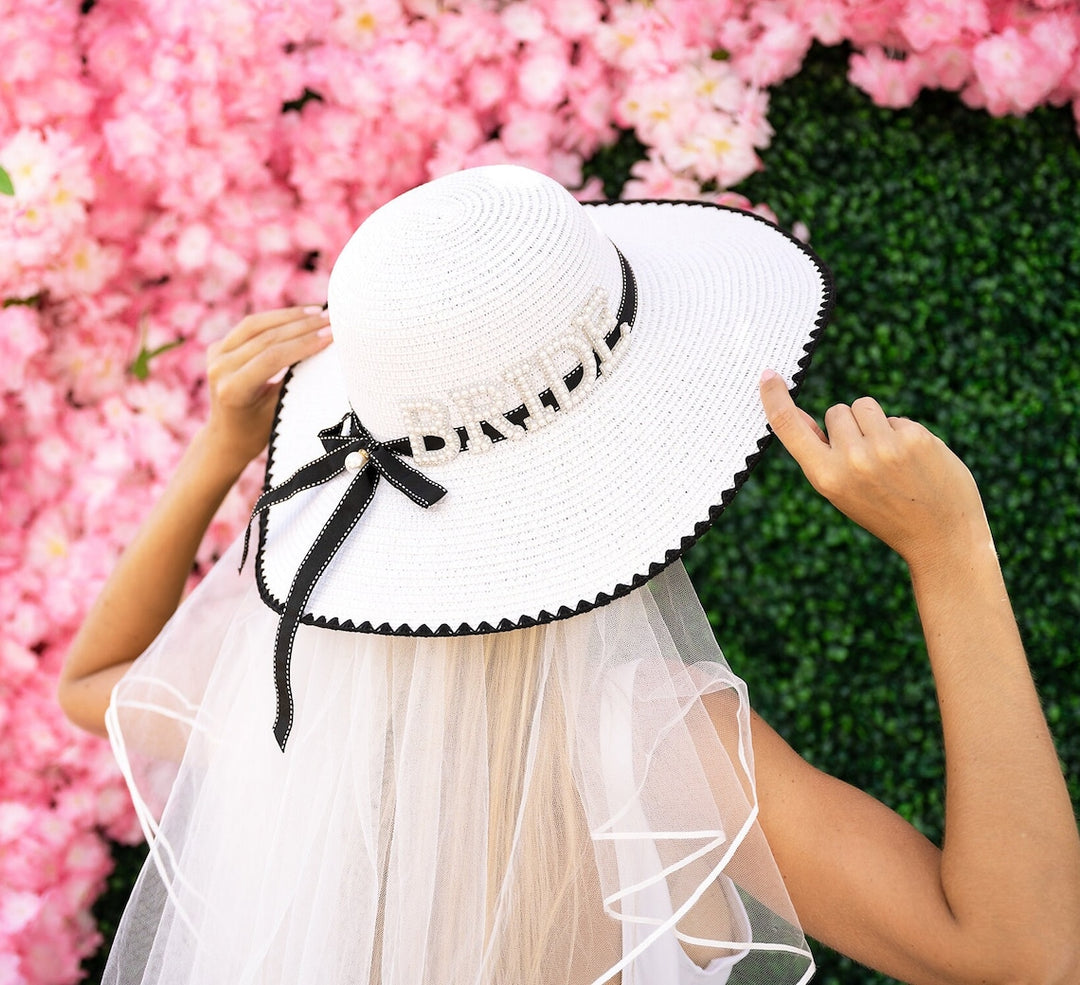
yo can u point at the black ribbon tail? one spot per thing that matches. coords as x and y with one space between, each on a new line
346 437
313 474
345 516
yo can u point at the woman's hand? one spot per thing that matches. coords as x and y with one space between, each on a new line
244 371
888 474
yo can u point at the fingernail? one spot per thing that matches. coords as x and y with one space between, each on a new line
768 374
325 332
313 309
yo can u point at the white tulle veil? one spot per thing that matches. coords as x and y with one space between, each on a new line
546 805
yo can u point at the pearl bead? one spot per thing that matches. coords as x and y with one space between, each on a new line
356 460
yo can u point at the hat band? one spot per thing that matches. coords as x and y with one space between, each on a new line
349 447
594 338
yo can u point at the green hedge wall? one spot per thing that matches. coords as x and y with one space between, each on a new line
954 241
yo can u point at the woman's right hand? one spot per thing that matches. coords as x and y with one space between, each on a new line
144 589
244 372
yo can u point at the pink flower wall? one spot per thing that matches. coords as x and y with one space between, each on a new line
176 165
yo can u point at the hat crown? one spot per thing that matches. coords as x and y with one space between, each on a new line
458 283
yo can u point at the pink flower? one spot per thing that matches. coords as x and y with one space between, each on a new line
405 61
734 200
340 76
21 339
1056 37
892 82
591 191
652 178
268 284
25 624
947 66
117 41
47 166
473 35
527 131
873 22
52 181
661 110
721 150
85 853
131 137
486 85
86 268
929 22
113 812
17 909
1016 73
164 404
523 22
574 19
17 661
753 119
826 19
91 367
565 168
15 819
631 39
775 54
10 973
50 955
192 250
542 76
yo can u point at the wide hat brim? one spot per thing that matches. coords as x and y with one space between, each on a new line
593 505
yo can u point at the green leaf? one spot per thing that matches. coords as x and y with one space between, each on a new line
31 302
6 187
140 367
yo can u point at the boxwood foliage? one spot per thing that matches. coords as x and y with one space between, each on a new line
954 242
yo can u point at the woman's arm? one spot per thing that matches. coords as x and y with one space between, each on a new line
1001 901
145 588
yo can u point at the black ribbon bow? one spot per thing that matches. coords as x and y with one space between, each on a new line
349 446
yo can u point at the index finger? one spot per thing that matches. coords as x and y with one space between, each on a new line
254 325
795 429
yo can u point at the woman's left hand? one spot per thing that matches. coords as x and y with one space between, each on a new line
888 474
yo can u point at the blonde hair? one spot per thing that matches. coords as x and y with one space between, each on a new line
539 888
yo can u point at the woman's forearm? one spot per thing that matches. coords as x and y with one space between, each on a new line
244 373
147 584
1011 860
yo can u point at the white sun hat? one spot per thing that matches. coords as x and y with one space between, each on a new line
562 398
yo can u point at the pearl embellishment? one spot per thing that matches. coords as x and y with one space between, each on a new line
356 460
